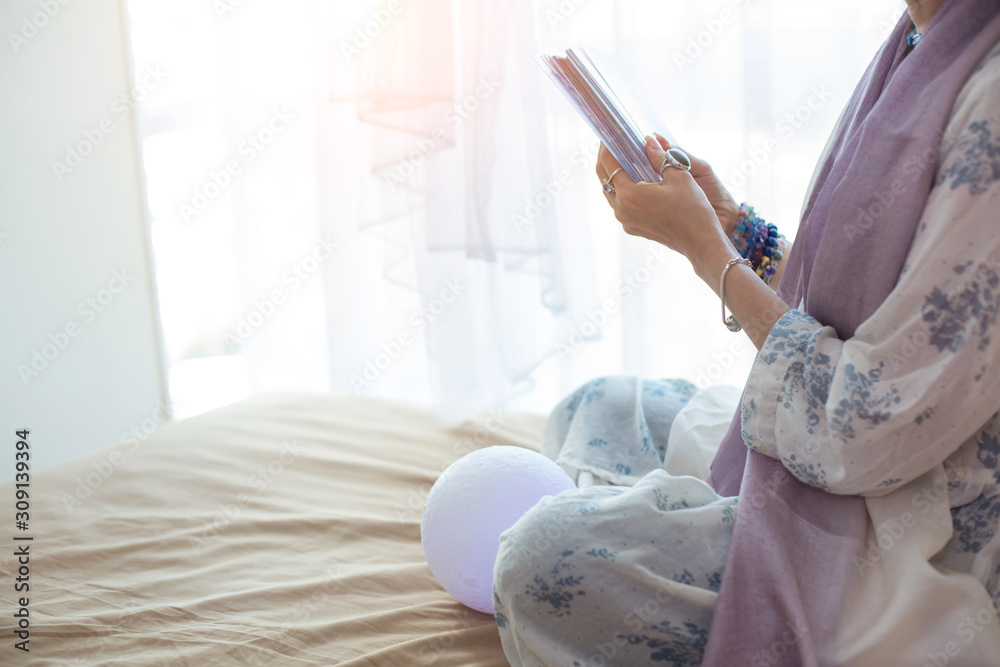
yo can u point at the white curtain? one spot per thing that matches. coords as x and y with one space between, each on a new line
389 199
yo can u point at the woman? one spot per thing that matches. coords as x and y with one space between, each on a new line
851 513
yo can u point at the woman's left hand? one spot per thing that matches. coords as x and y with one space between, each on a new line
674 212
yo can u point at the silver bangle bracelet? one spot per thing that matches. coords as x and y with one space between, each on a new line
730 321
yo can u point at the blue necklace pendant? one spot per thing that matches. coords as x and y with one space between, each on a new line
913 38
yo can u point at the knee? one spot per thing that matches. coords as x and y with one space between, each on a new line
604 383
606 390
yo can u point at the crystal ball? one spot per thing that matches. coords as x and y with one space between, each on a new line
475 499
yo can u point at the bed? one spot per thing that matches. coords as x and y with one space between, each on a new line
283 530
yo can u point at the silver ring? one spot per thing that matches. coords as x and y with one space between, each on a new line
609 187
676 158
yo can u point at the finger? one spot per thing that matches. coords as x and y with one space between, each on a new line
609 196
655 153
697 165
664 144
610 164
601 173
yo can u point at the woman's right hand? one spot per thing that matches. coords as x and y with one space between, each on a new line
726 208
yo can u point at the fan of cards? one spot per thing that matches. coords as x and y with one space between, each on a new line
576 75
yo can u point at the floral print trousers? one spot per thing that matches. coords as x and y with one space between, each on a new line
625 569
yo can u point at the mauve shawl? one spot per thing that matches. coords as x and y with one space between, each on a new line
789 560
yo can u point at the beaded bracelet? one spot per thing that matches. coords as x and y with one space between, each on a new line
746 223
773 254
759 242
761 248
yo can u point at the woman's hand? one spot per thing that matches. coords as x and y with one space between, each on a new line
718 196
675 212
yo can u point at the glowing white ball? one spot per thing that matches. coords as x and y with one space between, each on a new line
478 497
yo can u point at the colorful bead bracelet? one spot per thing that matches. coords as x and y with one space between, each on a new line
758 242
761 248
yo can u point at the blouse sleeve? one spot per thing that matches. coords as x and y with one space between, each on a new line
921 375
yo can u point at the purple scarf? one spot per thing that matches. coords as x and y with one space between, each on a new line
790 556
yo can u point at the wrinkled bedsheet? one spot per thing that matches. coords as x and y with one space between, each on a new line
283 530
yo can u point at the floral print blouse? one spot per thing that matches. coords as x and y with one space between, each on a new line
918 385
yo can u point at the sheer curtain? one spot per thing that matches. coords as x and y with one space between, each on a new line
389 199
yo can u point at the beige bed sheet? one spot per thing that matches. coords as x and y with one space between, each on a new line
190 552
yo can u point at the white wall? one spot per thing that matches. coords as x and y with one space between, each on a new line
61 241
